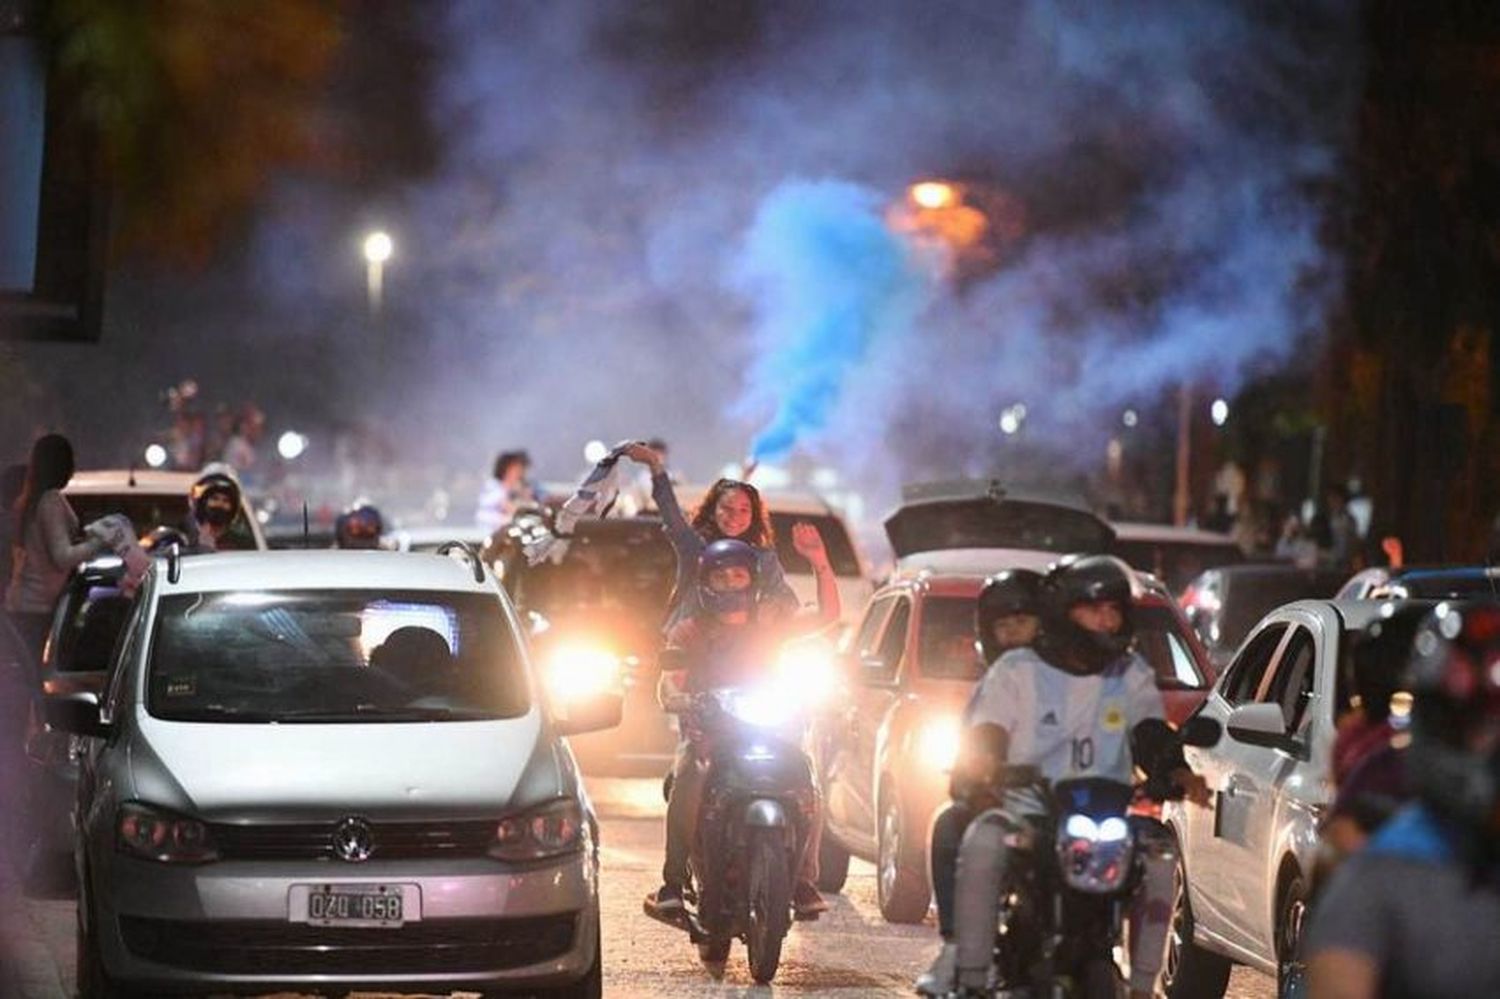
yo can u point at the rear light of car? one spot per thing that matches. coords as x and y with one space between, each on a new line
159 835
552 830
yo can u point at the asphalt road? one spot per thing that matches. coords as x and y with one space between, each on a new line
851 951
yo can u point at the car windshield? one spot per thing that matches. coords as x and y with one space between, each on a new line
334 655
148 511
627 568
835 539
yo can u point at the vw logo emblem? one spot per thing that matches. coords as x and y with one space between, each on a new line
353 841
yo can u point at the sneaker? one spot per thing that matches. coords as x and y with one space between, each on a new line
668 898
941 978
807 902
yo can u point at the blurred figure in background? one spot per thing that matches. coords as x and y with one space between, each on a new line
214 501
49 543
359 527
240 451
505 492
12 481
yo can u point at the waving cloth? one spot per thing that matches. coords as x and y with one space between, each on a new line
118 535
593 498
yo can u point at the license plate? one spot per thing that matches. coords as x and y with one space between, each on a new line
373 906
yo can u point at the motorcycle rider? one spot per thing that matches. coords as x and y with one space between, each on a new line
1414 912
214 500
730 640
1005 618
1078 703
360 526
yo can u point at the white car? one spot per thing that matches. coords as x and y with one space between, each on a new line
152 499
331 770
1248 859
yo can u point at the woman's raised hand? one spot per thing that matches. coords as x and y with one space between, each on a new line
809 544
646 455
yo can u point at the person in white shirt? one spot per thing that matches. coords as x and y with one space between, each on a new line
1078 703
505 491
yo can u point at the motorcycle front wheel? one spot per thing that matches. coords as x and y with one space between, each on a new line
770 903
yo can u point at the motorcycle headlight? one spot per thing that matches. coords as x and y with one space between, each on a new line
578 672
552 830
809 668
937 743
758 706
161 836
1094 856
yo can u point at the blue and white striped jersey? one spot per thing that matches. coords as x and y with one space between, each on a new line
1067 726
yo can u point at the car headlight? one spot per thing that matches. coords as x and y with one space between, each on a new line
551 830
937 743
159 835
1095 856
578 672
810 668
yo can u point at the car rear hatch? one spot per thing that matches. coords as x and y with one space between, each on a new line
966 515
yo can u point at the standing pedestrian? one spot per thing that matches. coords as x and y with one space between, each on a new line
505 491
50 544
12 481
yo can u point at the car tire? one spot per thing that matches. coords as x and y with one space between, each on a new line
901 865
1291 980
833 864
1190 972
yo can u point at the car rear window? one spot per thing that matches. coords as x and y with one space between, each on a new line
835 539
1439 586
148 511
334 656
626 570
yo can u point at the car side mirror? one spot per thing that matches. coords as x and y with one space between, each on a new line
1201 732
76 714
591 714
1259 724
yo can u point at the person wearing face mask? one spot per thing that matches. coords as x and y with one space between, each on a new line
1415 912
731 509
215 502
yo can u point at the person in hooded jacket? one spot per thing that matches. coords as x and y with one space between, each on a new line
1079 702
214 501
1415 912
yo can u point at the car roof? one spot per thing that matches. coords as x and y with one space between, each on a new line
1355 615
330 569
1168 533
119 480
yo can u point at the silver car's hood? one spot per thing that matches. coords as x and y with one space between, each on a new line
257 772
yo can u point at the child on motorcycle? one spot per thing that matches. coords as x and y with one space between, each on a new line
1078 703
730 640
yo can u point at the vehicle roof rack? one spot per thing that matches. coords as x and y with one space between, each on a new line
469 553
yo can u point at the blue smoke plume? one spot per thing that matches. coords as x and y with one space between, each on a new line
830 282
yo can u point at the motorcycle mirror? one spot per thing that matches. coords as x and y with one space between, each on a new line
1202 732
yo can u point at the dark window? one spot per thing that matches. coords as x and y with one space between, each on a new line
1176 563
1292 686
621 571
946 642
87 638
950 524
869 629
1250 596
893 641
1160 641
835 539
1242 682
335 655
148 511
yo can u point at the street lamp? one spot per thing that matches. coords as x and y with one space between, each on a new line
378 248
933 194
1219 411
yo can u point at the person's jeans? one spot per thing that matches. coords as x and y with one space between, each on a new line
947 834
689 771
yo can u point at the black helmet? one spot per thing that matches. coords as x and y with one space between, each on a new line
1378 657
358 527
214 484
1455 686
727 553
162 539
1084 579
1014 591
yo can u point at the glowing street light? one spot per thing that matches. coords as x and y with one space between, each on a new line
378 248
1130 418
291 444
595 452
934 194
1012 418
1220 412
156 455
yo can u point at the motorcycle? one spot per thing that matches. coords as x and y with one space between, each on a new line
1062 913
759 804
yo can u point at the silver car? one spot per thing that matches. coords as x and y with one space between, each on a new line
331 770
